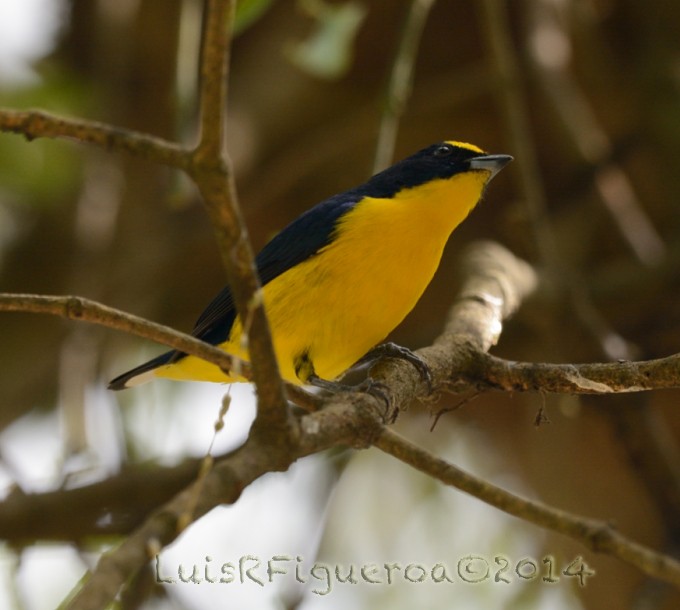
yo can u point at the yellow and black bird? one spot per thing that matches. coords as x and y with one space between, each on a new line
344 274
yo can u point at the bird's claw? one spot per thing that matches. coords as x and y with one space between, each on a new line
392 350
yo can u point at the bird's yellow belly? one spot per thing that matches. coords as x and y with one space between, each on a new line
338 313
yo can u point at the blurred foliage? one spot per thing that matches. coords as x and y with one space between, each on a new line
328 51
58 166
248 12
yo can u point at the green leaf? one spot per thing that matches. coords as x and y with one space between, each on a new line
329 49
248 12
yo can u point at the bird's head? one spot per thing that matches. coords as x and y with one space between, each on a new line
436 162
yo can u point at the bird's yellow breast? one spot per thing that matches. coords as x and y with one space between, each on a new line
338 304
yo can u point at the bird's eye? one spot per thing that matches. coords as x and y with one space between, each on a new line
443 150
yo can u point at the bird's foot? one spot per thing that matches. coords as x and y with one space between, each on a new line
392 350
368 386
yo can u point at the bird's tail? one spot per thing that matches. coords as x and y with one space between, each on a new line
142 373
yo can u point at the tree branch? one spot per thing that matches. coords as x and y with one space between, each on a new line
212 172
78 308
497 282
595 378
355 422
277 439
210 169
101 508
599 536
38 124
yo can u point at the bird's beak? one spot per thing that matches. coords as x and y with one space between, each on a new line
490 163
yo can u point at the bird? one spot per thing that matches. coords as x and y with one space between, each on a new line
344 274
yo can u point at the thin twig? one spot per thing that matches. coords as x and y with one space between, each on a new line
514 106
400 83
596 535
38 124
589 136
78 308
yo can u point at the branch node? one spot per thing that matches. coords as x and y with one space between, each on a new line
74 307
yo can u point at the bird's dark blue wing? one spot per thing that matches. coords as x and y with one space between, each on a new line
300 240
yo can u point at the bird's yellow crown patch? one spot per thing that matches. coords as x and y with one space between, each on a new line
471 147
